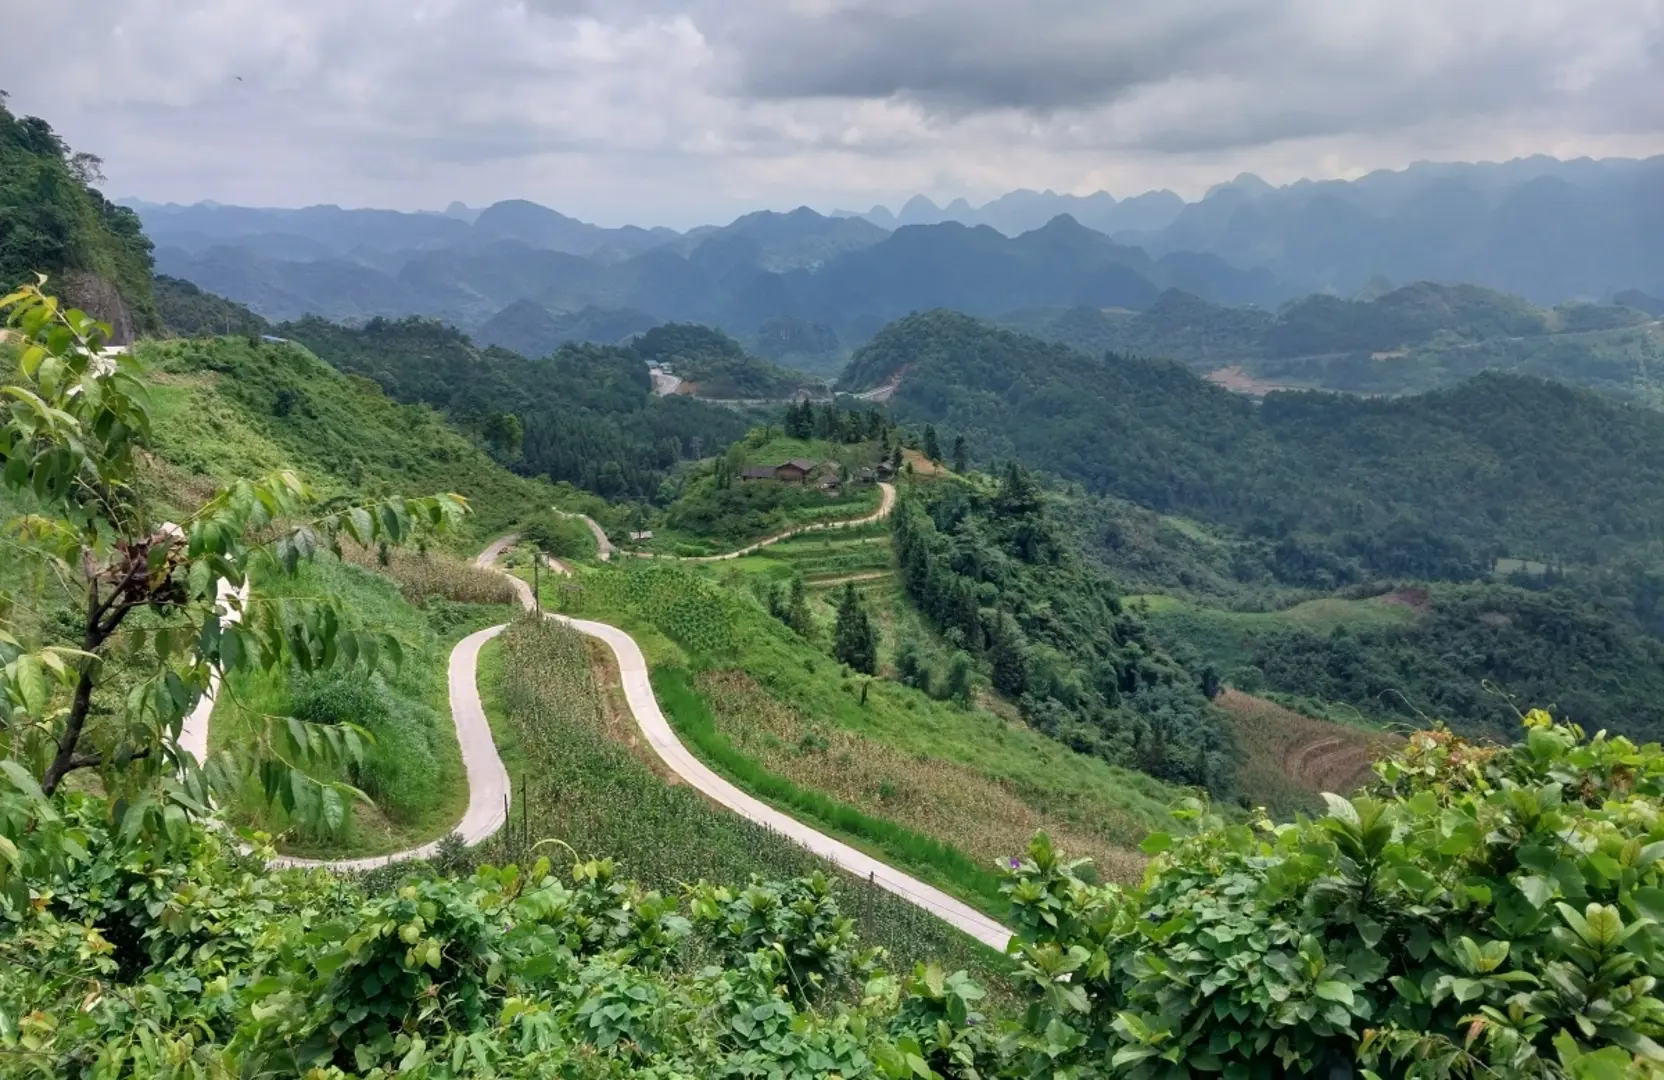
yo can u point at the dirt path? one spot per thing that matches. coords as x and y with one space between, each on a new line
887 502
852 579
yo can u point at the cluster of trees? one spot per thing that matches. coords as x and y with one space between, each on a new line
53 221
995 575
1477 657
804 421
187 311
587 413
1434 486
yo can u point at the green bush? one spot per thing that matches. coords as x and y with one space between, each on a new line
1480 912
560 536
399 770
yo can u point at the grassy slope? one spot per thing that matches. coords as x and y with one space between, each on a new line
413 769
548 714
230 408
686 619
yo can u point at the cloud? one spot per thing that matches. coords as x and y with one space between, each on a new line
680 111
1182 75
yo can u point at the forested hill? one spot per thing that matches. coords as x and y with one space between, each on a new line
1419 337
1429 486
52 221
585 415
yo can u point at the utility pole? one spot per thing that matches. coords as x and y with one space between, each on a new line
537 582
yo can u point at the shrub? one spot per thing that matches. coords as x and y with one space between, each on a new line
560 536
1481 912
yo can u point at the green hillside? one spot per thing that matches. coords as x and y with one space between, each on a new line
187 311
54 222
1409 340
585 414
229 407
717 365
1433 486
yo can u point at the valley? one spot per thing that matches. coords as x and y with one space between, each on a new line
963 643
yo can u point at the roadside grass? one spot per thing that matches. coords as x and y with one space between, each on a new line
412 771
939 862
683 618
590 793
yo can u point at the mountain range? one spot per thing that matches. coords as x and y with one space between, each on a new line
805 287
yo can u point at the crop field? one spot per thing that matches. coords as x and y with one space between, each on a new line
946 801
587 791
1291 759
665 606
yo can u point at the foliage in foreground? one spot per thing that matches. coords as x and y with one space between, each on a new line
1482 913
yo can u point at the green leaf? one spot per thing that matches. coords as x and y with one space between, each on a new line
1538 890
1330 990
30 681
1342 810
1156 843
22 779
335 811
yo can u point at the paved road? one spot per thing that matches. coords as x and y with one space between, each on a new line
603 547
488 783
644 707
887 502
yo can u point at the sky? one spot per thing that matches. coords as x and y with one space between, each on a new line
679 112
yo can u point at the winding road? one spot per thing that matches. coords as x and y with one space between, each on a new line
886 503
489 791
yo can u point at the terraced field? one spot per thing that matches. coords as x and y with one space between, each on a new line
1291 759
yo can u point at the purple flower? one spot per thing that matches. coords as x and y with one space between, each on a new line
1015 864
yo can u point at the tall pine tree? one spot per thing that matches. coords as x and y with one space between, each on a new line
854 641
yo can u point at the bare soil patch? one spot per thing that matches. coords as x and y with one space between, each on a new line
1238 381
1410 598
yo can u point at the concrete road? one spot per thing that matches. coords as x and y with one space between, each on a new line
886 503
644 707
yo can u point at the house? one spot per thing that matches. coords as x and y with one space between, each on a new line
795 471
885 470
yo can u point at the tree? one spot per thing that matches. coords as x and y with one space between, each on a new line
1007 656
503 436
153 610
932 448
959 685
797 609
854 641
961 460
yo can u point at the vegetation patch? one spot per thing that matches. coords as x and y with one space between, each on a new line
585 789
411 768
1290 760
941 862
981 816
